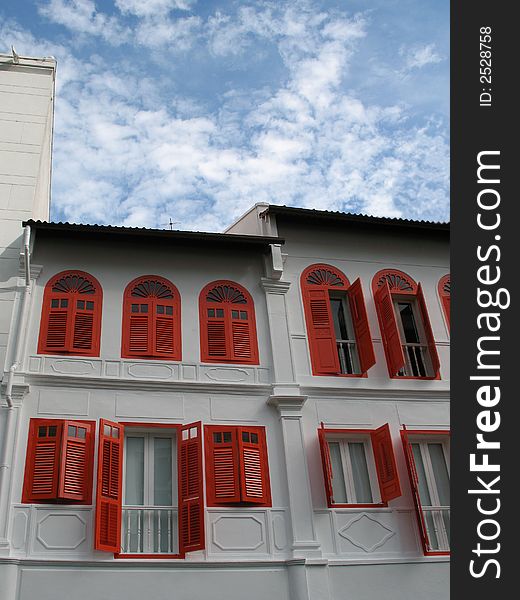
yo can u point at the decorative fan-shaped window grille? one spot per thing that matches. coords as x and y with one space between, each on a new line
151 289
446 287
397 282
73 283
323 276
226 293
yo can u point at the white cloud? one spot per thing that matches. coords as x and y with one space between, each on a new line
127 152
148 8
417 57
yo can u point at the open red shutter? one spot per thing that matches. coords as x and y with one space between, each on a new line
430 340
42 462
327 467
358 312
389 330
76 461
254 468
82 329
414 483
222 474
385 463
109 496
446 306
322 338
191 499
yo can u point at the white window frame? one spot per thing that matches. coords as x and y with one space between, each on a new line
343 440
423 343
444 440
342 296
148 506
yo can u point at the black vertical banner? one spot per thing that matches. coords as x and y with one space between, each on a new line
485 323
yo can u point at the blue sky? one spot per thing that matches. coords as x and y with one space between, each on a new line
194 110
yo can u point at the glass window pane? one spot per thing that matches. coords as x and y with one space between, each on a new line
254 438
338 479
144 308
82 433
135 308
421 475
220 312
162 471
90 305
169 310
211 312
52 431
217 437
64 303
160 310
54 303
81 304
440 472
360 472
234 314
71 431
408 321
245 436
227 436
42 431
243 315
134 482
338 316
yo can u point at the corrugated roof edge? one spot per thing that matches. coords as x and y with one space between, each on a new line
290 211
164 234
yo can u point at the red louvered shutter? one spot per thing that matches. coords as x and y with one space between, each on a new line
42 461
327 467
222 473
216 339
389 330
76 461
359 316
82 328
430 340
191 499
446 306
386 466
320 327
254 467
109 496
139 335
241 340
414 483
55 330
164 335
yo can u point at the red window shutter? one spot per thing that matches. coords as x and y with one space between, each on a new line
191 499
414 483
430 340
446 306
254 467
385 463
42 462
76 461
54 324
320 328
139 335
358 312
241 339
216 339
389 331
222 473
164 335
83 331
327 466
109 496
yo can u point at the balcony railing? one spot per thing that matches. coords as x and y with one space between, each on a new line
416 361
347 356
149 530
437 520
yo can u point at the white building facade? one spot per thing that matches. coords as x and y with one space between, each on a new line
262 413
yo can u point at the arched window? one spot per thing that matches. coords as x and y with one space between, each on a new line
151 319
227 324
405 326
337 325
71 315
444 289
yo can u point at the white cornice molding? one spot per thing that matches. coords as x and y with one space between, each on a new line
275 286
412 395
288 406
